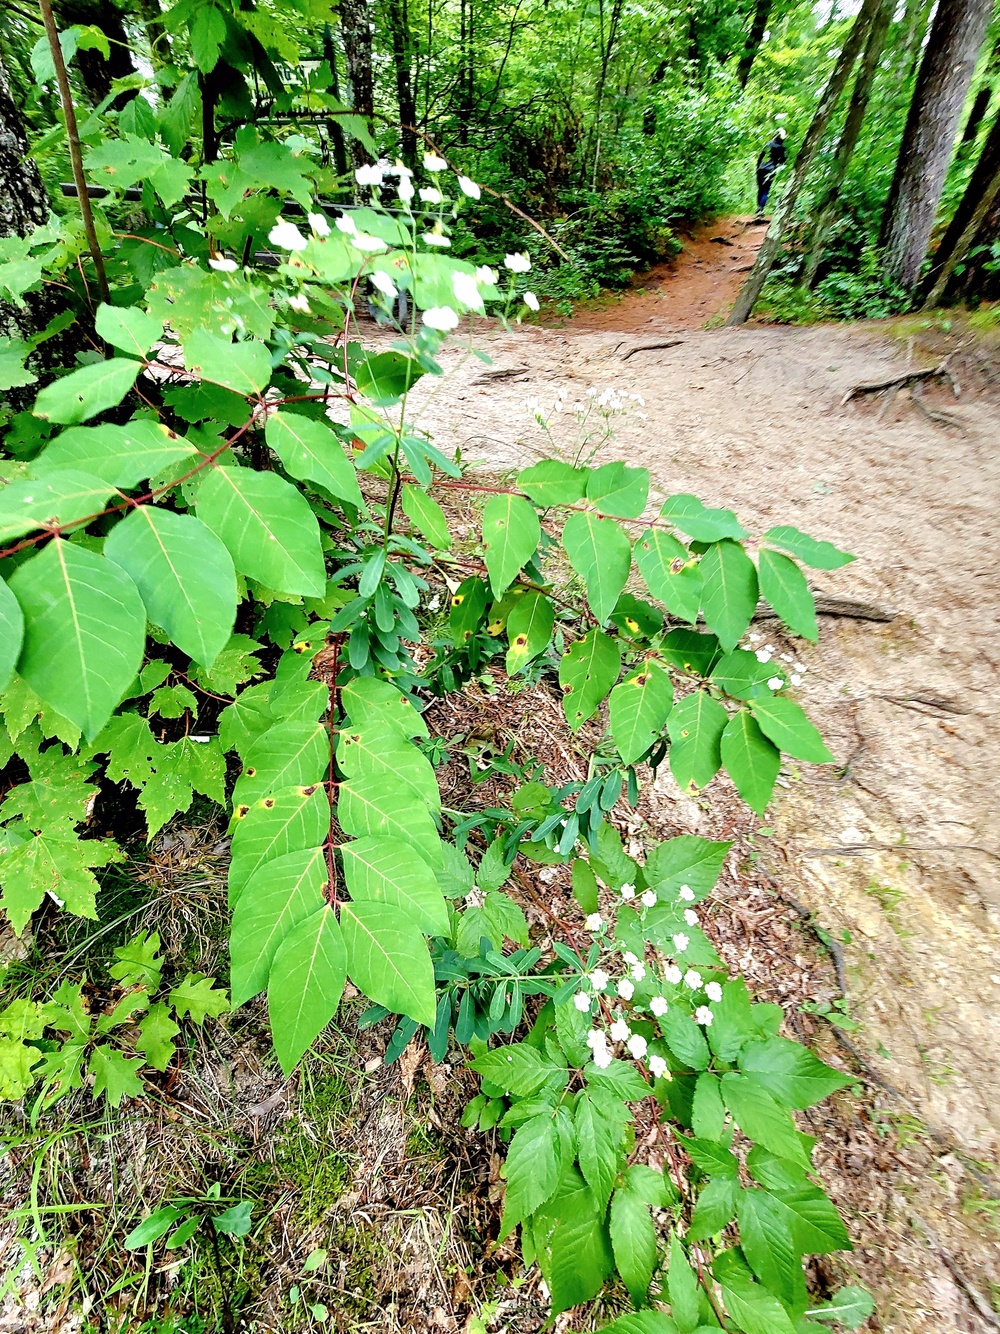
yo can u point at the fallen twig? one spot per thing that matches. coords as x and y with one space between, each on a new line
827 605
922 703
650 347
505 373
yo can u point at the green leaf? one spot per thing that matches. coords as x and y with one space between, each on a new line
208 32
642 1322
685 1038
570 1238
11 634
790 1072
601 554
310 451
742 675
810 1216
599 1141
156 1036
278 896
762 1119
305 984
715 1207
242 367
638 709
387 959
616 489
691 650
377 755
686 860
16 1074
289 821
129 329
682 1288
671 573
234 1221
633 1238
184 574
48 864
532 1170
139 962
620 1078
511 533
529 629
751 761
14 352
587 671
708 1115
849 1307
387 870
769 1246
115 1075
553 483
518 1069
688 514
272 534
784 585
818 555
370 701
729 591
426 515
752 1307
732 1025
86 392
65 498
85 629
696 724
584 886
783 722
153 1227
468 603
390 809
119 455
199 997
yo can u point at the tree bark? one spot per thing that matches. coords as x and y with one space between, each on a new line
755 38
971 208
826 203
836 84
946 72
977 114
402 54
356 26
977 280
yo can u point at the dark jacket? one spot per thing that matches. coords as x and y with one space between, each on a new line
772 155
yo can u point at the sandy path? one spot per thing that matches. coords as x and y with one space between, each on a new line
900 856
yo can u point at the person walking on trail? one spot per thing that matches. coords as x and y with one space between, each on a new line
772 156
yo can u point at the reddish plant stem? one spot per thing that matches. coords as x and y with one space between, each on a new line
332 729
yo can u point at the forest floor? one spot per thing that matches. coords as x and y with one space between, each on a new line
894 852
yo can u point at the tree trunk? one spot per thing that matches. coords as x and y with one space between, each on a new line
946 72
964 242
96 73
755 38
826 204
979 280
336 130
402 54
973 205
357 30
977 114
836 84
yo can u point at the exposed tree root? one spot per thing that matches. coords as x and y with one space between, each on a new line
651 347
827 605
904 381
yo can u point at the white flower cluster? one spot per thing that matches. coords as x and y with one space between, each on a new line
796 669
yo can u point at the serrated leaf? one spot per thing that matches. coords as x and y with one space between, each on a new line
208 32
127 328
14 352
696 724
761 1118
198 997
85 629
529 629
685 1038
790 1072
139 962
818 555
184 575
278 896
518 1068
601 554
688 514
86 392
751 760
289 821
156 1036
751 1306
729 591
708 1115
387 870
682 1288
11 634
587 671
769 1246
426 515
785 724
688 860
714 1208
272 534
552 482
47 864
511 533
65 498
850 1307
633 1238
672 574
617 489
599 1139
638 710
242 367
305 985
620 1078
732 1025
584 886
532 1169
642 1322
570 1237
387 959
119 455
784 586
115 1076
311 452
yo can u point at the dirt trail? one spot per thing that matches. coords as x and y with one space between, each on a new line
898 852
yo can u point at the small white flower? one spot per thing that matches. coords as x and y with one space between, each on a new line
369 244
764 655
713 991
686 893
487 276
530 300
466 290
625 989
599 979
754 638
596 1038
796 679
657 1067
620 1031
637 1046
648 899
594 921
630 958
346 224
692 979
434 163
775 682
786 657
703 1015
384 283
299 302
519 262
582 1002
681 942
368 175
691 917
628 891
637 972
443 318
223 265
430 194
475 898
286 236
405 190
800 666
469 187
672 974
602 1058
435 603
659 1006
319 224
436 237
